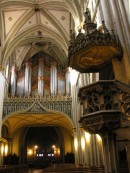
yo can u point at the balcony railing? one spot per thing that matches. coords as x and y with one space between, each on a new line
37 104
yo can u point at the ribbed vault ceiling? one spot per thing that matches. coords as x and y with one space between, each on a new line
27 22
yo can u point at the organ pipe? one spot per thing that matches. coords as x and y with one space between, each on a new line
40 76
53 78
28 72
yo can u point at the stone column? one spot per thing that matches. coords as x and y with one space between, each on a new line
40 76
88 138
124 21
119 28
13 81
109 152
83 146
28 76
106 155
91 151
76 146
1 153
75 118
106 14
99 150
2 86
112 145
10 144
95 150
54 78
118 70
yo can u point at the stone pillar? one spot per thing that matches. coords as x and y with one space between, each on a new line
83 146
119 29
99 150
118 70
112 145
40 76
106 155
2 86
95 150
1 153
13 81
92 154
28 77
124 21
76 146
75 118
110 155
88 138
107 15
53 78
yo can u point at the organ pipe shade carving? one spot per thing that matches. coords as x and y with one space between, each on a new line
91 50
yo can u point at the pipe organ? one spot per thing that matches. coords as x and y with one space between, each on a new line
40 76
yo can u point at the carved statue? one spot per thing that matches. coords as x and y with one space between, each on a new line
87 16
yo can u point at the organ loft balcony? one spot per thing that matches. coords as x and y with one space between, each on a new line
40 86
106 106
37 104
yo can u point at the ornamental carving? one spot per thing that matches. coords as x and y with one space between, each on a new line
37 105
89 51
105 105
104 120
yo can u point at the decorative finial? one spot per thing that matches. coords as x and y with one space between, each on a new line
87 16
106 31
